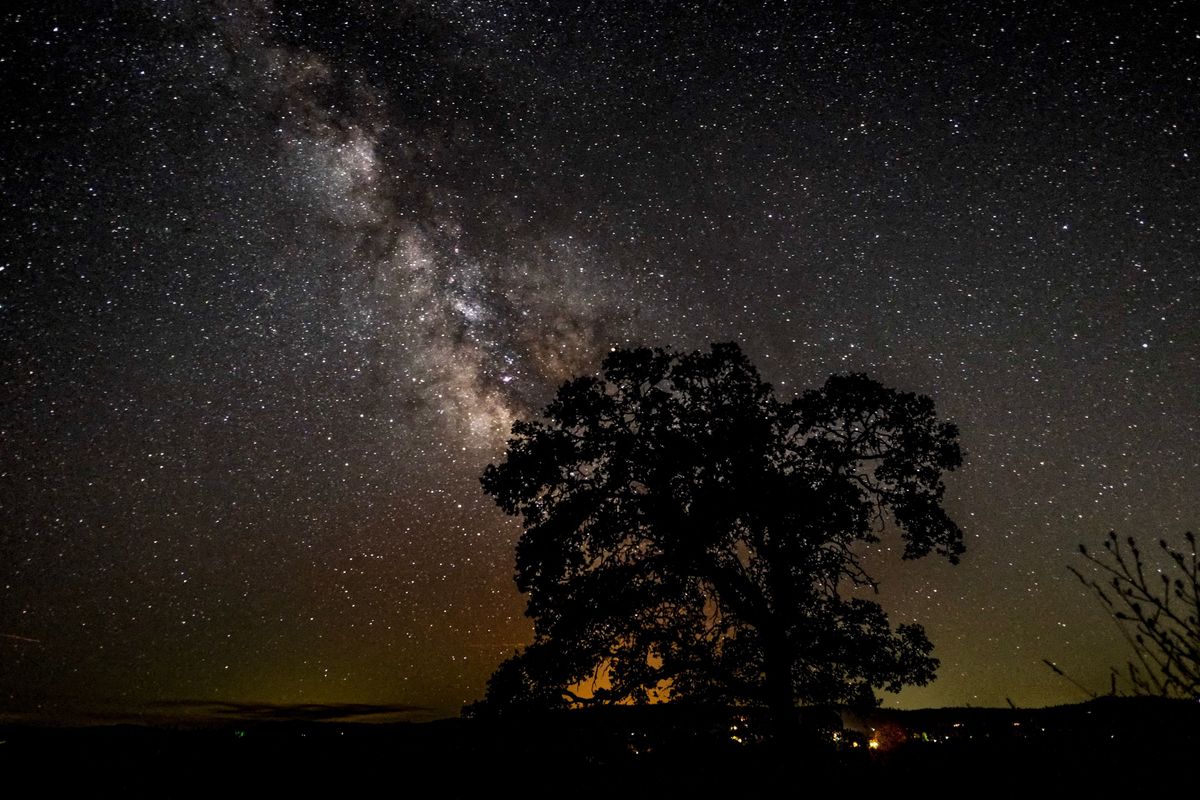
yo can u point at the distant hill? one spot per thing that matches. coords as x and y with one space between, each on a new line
1107 743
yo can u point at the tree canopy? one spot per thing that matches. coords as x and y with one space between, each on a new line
687 531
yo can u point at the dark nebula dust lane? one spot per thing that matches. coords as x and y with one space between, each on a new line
277 277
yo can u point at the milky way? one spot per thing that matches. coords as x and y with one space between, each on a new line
277 278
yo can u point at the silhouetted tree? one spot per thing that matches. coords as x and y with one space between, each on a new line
1158 611
685 530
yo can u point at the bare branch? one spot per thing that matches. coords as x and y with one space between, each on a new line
1156 614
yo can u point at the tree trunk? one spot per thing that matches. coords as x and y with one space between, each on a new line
781 701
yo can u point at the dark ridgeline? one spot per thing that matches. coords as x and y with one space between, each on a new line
628 751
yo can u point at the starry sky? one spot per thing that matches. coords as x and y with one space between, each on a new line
276 277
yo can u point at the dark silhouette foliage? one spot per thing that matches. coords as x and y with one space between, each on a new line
1158 611
684 528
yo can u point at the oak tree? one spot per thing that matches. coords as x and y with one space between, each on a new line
687 532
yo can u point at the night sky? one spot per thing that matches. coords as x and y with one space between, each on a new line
276 277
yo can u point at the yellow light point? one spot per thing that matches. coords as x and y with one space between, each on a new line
873 744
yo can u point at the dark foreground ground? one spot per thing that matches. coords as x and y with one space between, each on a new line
1109 746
